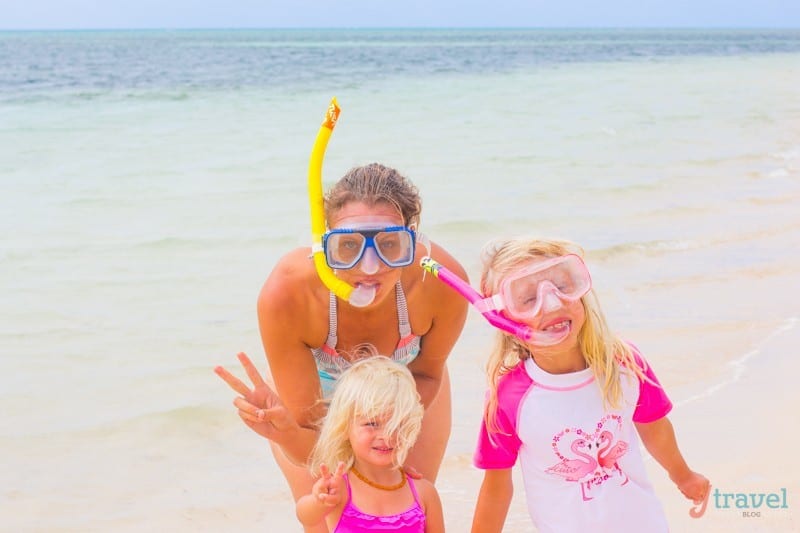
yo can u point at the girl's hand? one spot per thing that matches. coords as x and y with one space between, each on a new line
259 407
694 486
329 488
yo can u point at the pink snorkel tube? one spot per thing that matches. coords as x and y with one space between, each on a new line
522 331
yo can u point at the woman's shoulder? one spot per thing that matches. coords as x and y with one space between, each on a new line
425 286
293 303
295 266
445 258
292 284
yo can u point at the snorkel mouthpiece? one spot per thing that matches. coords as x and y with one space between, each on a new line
360 296
522 331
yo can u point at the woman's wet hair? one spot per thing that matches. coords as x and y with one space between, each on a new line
374 184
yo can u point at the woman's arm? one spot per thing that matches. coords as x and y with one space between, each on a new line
659 439
285 319
493 502
432 505
448 312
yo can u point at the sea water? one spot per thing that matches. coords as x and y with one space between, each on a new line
151 179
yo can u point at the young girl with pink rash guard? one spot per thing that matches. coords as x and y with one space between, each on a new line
571 404
373 420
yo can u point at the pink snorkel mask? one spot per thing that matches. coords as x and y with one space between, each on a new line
524 294
539 286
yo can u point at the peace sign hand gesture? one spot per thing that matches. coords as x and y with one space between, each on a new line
259 407
329 488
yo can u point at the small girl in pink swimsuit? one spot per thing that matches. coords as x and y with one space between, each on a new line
372 422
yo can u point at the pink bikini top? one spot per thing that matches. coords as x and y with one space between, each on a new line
354 520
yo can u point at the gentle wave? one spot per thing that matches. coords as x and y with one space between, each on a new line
656 247
177 422
738 367
661 247
158 244
65 95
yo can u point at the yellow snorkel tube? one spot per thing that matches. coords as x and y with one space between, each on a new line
360 296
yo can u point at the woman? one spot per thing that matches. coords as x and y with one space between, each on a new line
310 335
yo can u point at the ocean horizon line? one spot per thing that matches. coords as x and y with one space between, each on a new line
396 28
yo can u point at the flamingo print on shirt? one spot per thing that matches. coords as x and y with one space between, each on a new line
594 456
609 452
576 469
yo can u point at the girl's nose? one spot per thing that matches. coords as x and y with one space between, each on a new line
370 262
550 300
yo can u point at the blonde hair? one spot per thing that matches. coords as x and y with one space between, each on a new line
374 184
604 352
374 387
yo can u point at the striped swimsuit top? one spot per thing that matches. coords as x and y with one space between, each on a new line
330 364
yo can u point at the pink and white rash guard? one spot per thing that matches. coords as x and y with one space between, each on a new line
581 463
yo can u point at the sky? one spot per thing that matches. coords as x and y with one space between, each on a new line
98 14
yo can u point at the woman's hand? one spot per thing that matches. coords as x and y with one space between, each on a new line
259 406
412 472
